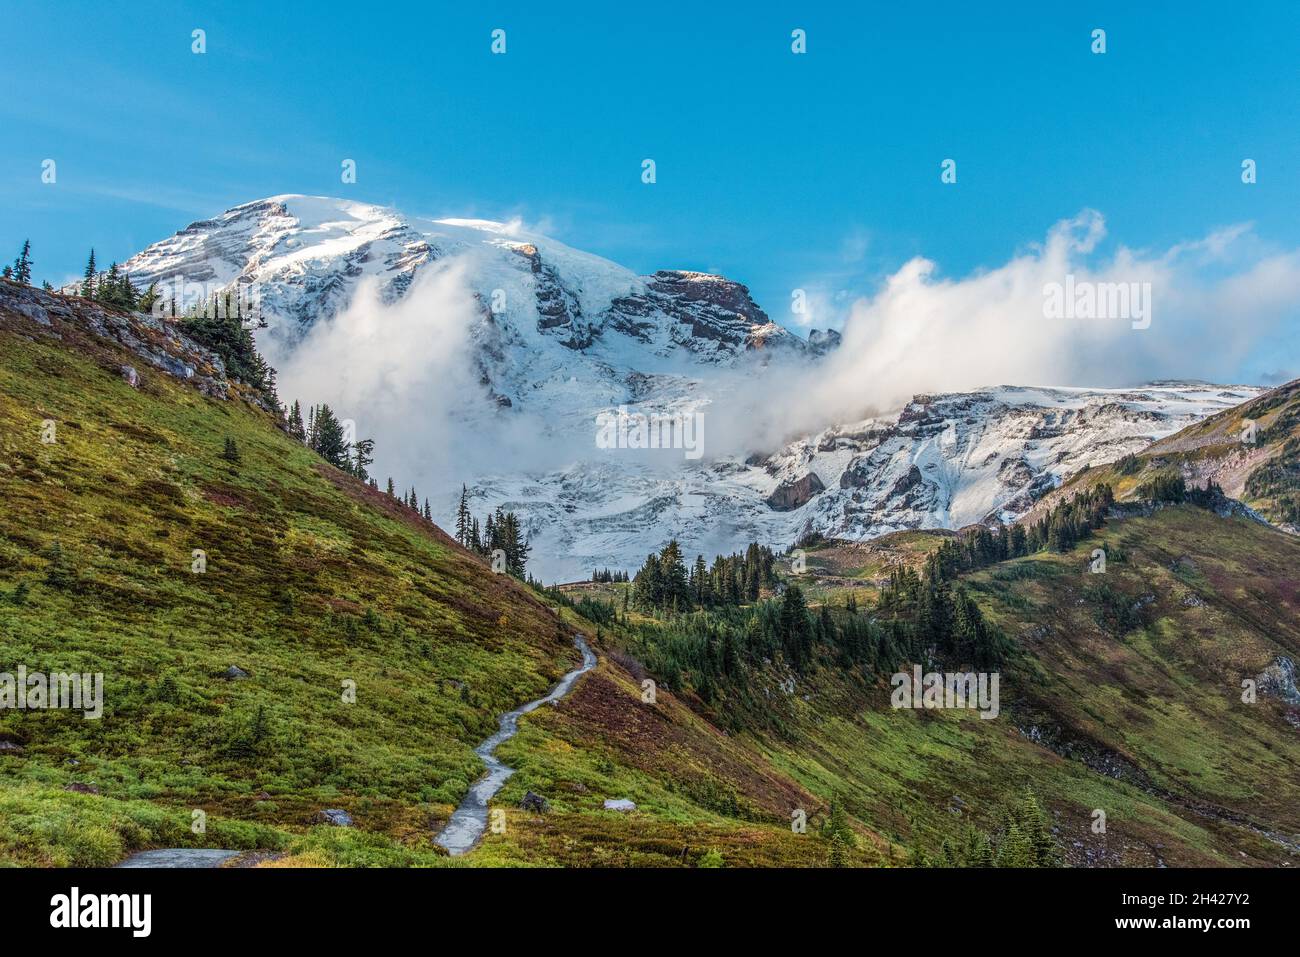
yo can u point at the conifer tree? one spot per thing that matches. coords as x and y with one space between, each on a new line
331 443
363 455
23 265
463 517
88 281
296 428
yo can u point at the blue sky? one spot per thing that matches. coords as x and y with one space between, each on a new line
778 170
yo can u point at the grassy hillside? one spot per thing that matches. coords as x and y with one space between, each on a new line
1251 451
1122 692
312 580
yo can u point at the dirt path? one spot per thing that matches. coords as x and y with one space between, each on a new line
469 821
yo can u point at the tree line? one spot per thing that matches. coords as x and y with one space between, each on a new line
665 584
500 534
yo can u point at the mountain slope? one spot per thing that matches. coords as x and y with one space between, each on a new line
556 336
313 580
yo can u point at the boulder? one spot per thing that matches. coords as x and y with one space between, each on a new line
619 804
131 377
80 788
234 673
535 802
336 816
790 495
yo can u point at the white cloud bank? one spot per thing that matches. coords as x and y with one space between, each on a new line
404 370
1217 305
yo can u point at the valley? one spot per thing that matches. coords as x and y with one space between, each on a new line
227 691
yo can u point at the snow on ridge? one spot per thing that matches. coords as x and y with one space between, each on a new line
580 333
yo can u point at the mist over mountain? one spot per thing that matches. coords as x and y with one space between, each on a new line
482 353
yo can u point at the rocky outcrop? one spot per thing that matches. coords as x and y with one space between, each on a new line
158 342
1278 680
821 341
705 314
559 311
791 495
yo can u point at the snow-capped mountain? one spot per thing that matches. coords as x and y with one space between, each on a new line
304 257
561 335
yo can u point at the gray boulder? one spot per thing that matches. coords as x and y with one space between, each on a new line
790 495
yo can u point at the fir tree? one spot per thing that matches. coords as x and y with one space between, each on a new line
88 280
296 428
148 298
23 265
463 518
363 455
331 444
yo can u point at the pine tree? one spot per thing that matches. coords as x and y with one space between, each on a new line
363 450
231 451
331 443
392 491
428 513
296 429
794 626
23 265
463 517
88 282
148 298
233 341
1015 848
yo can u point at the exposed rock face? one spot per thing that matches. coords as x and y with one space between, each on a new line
559 311
908 482
1278 679
158 342
791 495
821 342
708 315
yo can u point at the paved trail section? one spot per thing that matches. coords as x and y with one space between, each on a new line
180 857
469 821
